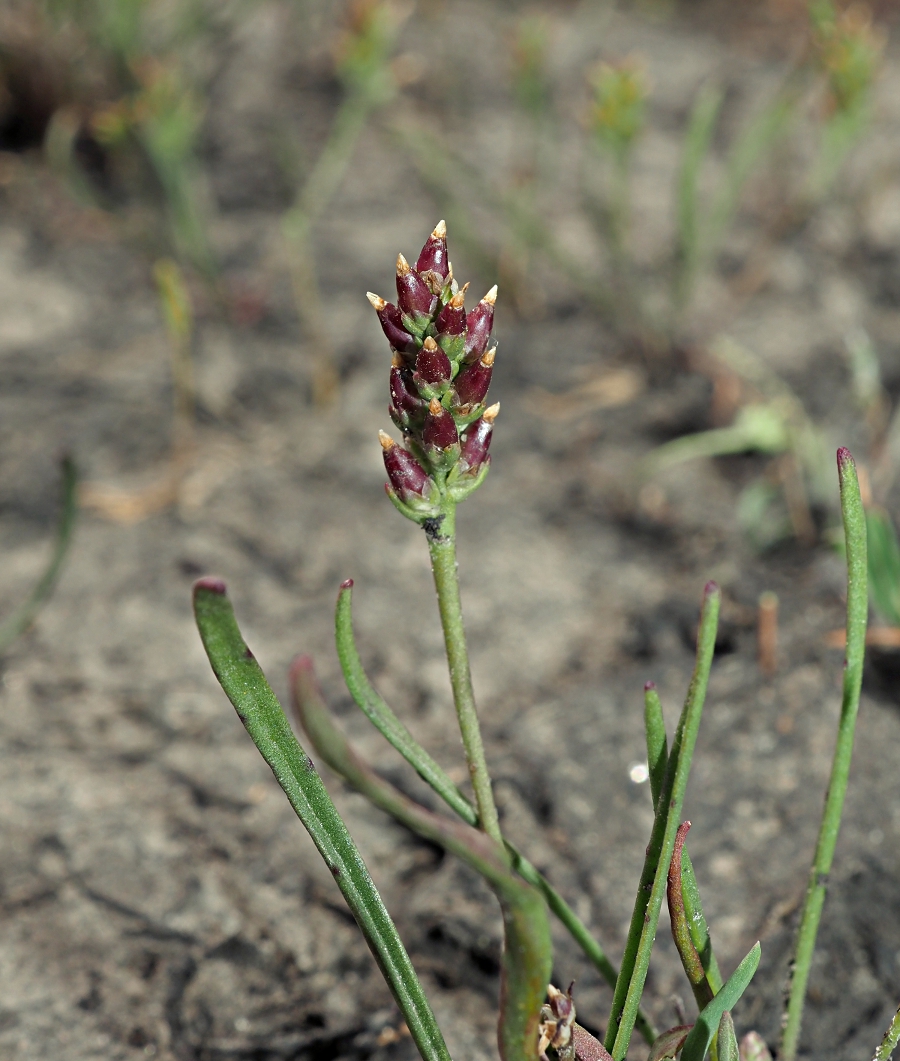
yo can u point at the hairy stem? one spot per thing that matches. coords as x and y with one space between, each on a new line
889 1042
442 546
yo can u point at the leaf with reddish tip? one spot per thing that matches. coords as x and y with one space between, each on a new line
258 708
669 1043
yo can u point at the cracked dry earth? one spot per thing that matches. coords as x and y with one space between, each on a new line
158 897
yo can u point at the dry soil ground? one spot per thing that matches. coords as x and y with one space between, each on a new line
158 897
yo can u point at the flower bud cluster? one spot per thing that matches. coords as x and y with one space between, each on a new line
440 374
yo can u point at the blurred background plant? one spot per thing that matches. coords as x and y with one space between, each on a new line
15 624
368 80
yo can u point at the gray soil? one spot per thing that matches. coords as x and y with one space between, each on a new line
158 897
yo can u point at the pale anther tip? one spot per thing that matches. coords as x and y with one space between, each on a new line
377 301
386 441
440 230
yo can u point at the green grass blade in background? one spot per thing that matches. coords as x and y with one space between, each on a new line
25 614
696 146
258 708
857 614
883 564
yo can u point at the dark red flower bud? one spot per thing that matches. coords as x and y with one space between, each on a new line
432 364
473 380
413 294
452 318
404 396
478 326
477 440
440 427
391 320
434 254
407 476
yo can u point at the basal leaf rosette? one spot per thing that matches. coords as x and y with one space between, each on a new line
440 374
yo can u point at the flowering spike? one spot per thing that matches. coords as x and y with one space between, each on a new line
440 373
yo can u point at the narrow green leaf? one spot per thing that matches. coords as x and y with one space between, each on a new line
383 718
857 615
696 145
258 708
681 931
652 885
657 758
24 615
749 150
693 908
399 737
527 952
657 746
698 1042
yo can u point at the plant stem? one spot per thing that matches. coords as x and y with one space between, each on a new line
857 614
442 546
889 1042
